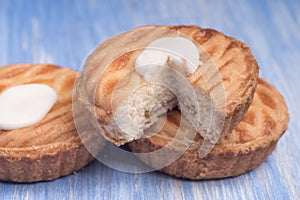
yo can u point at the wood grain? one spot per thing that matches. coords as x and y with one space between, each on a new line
65 32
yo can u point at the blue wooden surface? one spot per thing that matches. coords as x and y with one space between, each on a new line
64 32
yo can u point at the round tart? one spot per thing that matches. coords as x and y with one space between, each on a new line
227 77
246 147
50 148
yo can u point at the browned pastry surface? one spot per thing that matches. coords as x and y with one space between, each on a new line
115 58
246 147
51 148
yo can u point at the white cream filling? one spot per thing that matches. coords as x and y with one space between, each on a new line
25 105
177 52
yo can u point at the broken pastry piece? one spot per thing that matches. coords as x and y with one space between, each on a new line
134 79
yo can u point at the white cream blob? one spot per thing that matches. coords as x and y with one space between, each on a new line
178 52
25 105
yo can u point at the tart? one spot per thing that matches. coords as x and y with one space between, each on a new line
242 150
50 148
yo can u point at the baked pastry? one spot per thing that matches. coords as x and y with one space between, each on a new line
222 76
50 148
245 148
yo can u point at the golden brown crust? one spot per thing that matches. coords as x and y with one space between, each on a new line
246 147
51 148
235 76
44 164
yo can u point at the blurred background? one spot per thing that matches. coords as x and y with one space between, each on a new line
65 32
